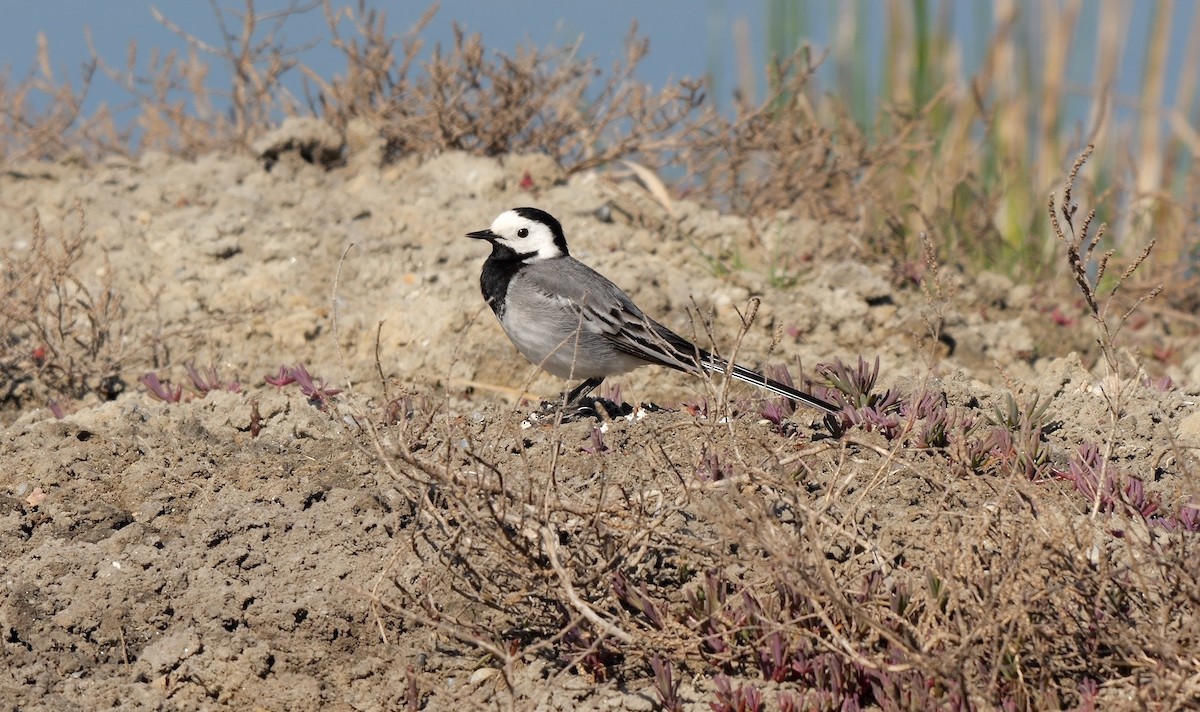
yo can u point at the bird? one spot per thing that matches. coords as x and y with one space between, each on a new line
573 322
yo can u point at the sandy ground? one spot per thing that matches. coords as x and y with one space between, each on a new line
164 556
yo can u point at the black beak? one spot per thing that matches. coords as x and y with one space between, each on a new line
483 235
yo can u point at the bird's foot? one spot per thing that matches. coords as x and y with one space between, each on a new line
582 409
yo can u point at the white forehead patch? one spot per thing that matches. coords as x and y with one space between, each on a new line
509 221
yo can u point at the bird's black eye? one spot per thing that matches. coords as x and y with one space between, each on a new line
523 232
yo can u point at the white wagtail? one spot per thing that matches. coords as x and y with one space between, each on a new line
574 323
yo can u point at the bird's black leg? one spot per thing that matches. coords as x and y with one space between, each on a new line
582 390
572 405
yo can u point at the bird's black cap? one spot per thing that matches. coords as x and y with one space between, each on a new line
560 240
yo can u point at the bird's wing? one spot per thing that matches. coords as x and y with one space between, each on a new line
603 309
576 293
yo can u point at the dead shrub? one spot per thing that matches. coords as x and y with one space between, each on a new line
181 113
786 580
63 335
469 99
41 116
778 154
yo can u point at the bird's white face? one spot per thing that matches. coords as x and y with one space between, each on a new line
522 232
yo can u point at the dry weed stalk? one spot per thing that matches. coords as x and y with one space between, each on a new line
257 65
529 102
172 106
778 155
63 337
1081 245
60 128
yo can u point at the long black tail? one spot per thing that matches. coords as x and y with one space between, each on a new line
757 379
669 349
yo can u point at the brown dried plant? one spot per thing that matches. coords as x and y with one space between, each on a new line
172 105
534 101
42 116
1089 270
787 571
177 105
1081 244
170 100
63 336
779 154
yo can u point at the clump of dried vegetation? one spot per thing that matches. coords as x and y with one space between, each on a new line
760 571
63 335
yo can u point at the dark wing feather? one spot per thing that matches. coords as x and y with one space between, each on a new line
602 308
